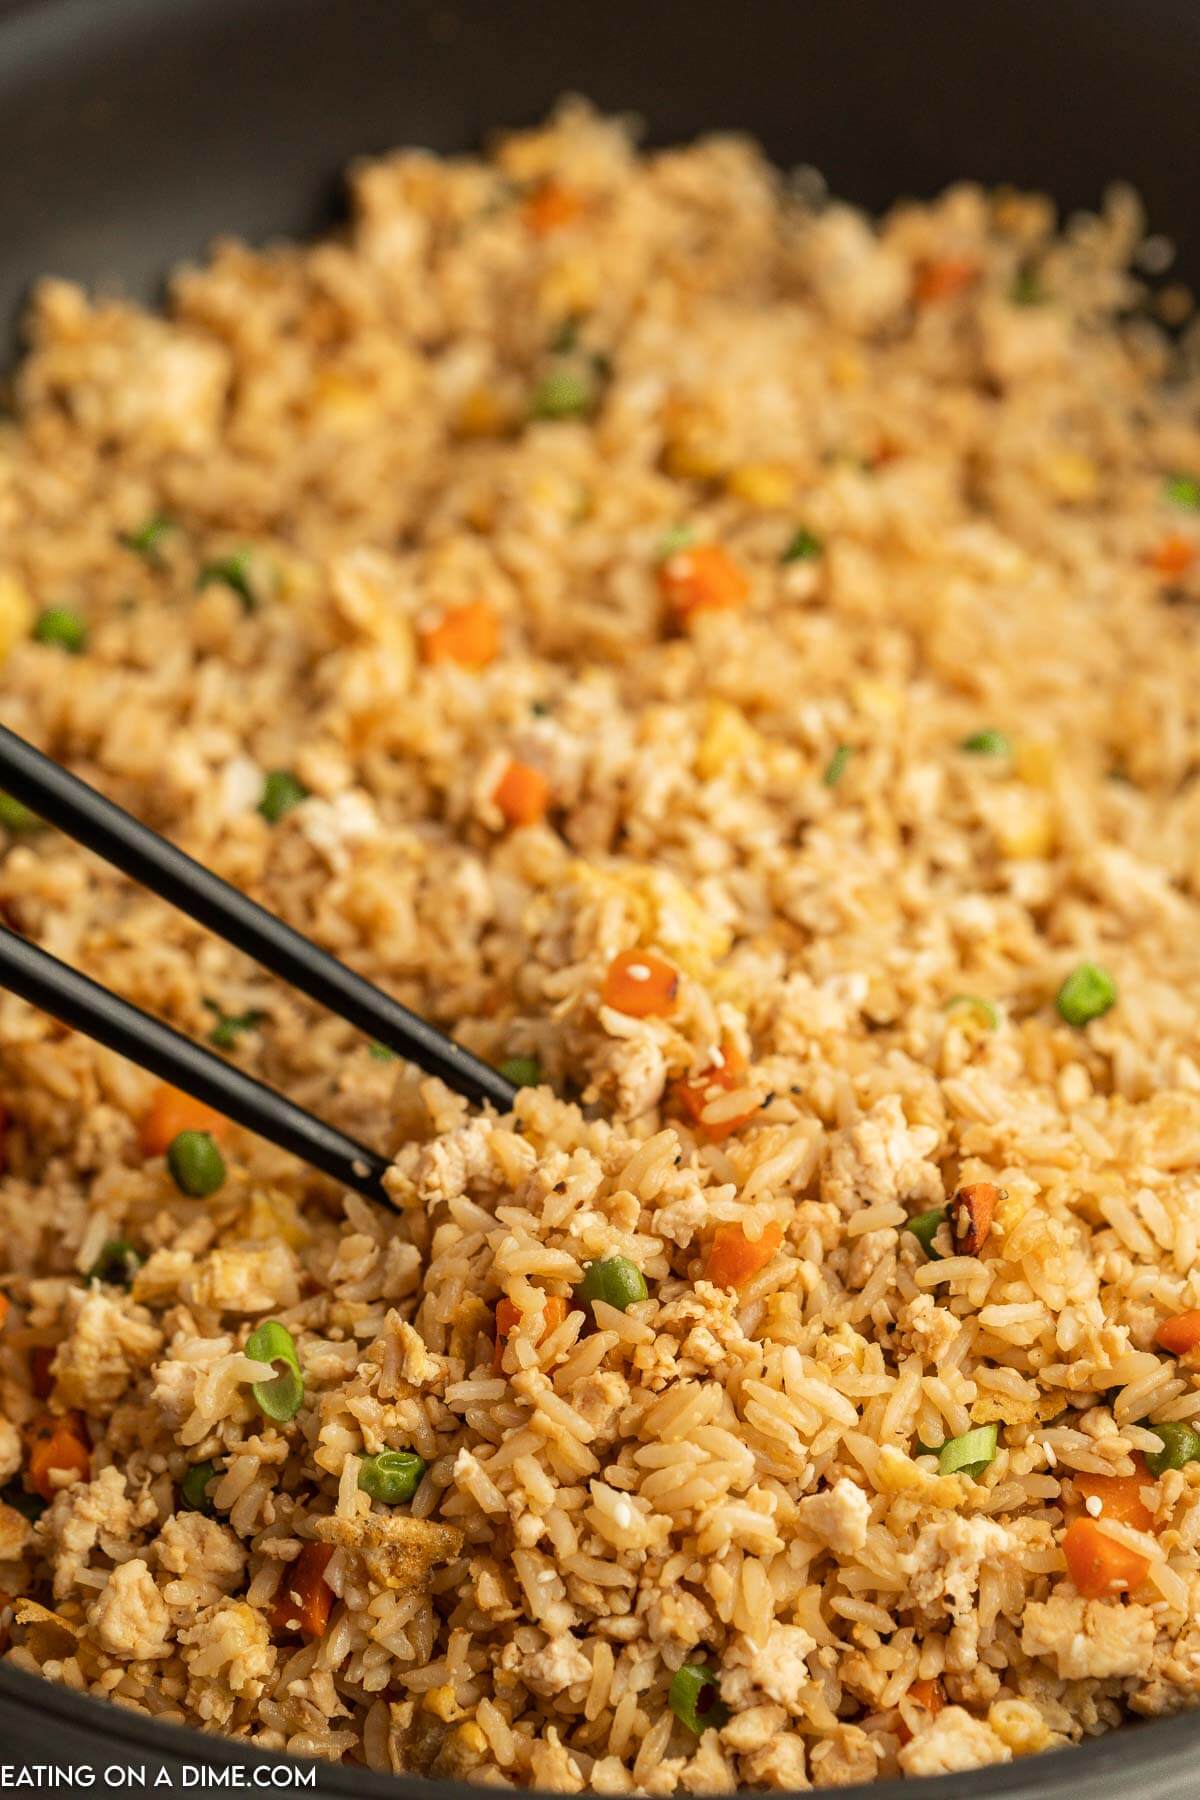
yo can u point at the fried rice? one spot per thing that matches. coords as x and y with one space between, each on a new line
738 660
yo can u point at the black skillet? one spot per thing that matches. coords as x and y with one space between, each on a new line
132 131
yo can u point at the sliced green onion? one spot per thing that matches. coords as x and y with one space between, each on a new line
381 1053
197 1166
988 743
969 1454
563 394
804 546
694 1699
920 1449
615 1280
680 537
983 1009
522 1071
230 1026
1027 289
924 1228
1087 993
193 1488
147 539
279 1398
392 1477
117 1263
16 817
1180 1445
835 768
58 625
281 791
1183 490
234 571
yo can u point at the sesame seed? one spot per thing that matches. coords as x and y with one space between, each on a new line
1051 1458
1094 1505
638 972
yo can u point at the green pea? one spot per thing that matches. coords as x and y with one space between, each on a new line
234 571
969 1454
924 1227
57 625
522 1071
564 393
197 1166
16 817
281 791
1087 993
615 1280
1182 490
804 546
694 1699
1180 1445
147 540
116 1264
279 1398
193 1488
393 1476
836 767
988 743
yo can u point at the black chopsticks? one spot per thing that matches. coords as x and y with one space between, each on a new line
63 800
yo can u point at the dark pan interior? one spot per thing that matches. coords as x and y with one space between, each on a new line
133 131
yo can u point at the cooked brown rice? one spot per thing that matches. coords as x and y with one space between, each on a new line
538 383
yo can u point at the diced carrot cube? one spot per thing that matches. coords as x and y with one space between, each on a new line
3 1310
1180 1334
171 1112
550 206
522 794
1174 555
303 1601
1120 1497
734 1259
703 579
694 1095
930 1696
971 1213
508 1315
467 635
56 1444
944 278
640 984
1097 1564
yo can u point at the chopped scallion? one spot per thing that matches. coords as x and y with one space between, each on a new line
969 1454
695 1701
924 1228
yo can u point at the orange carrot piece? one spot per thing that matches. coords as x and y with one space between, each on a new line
971 1213
56 1443
1173 556
733 1258
171 1112
508 1314
944 278
930 1696
720 1077
4 1123
640 984
1120 1497
3 1310
1180 1334
705 579
467 635
1097 1564
550 206
303 1601
522 794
